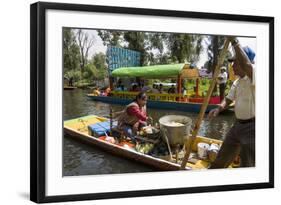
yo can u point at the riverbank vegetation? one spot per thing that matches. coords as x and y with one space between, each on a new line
84 68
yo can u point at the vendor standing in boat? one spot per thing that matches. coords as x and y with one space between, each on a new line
134 117
222 81
241 137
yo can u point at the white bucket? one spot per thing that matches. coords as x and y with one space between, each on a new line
202 150
213 152
214 147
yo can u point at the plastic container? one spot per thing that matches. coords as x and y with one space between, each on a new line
202 150
213 151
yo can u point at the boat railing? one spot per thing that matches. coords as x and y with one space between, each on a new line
151 96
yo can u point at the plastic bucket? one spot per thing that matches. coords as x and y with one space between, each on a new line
203 150
213 152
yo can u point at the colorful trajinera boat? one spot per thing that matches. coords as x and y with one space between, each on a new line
99 132
180 101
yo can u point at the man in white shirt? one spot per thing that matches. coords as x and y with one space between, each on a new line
222 80
241 137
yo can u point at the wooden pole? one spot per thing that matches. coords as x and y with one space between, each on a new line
179 84
111 83
110 120
190 142
197 87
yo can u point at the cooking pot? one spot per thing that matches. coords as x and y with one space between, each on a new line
176 128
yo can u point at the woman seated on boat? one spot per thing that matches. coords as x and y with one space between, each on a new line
106 92
134 116
96 91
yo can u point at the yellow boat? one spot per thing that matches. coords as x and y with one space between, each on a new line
78 129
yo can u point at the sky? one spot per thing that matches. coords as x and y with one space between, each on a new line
99 47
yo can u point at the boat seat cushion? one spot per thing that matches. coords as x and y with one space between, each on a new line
99 129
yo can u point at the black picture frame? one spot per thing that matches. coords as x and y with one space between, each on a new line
38 100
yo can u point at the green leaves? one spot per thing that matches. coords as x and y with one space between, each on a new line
71 54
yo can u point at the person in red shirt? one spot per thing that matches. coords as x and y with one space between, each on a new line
134 116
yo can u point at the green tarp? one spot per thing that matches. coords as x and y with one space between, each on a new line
155 71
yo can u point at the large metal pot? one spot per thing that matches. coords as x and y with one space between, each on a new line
176 134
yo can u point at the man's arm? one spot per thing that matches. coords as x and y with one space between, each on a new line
242 58
224 105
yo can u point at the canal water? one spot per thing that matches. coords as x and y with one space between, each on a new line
82 159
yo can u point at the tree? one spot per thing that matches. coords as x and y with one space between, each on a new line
215 44
71 55
171 47
143 42
156 41
155 47
113 38
137 41
184 47
85 42
90 72
99 61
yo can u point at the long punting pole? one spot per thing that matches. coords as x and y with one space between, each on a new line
204 105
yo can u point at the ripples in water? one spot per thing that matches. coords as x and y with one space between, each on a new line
82 159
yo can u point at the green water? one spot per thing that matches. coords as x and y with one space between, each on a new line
82 159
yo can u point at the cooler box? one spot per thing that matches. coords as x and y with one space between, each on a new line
98 129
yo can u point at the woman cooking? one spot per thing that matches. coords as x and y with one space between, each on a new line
134 116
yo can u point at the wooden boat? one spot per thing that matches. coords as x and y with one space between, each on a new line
69 87
78 129
180 101
170 105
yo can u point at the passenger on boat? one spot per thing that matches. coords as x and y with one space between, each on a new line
106 92
241 137
145 88
172 89
155 89
120 88
222 80
184 91
134 116
96 91
161 90
135 88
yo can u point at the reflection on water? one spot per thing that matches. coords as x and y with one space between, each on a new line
82 159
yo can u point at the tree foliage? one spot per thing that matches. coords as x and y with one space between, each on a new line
155 48
71 54
99 61
85 42
179 47
184 47
113 38
215 45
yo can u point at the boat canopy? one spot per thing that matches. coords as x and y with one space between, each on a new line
190 73
156 71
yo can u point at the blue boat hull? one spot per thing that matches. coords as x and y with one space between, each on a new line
180 106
